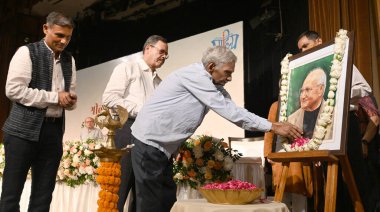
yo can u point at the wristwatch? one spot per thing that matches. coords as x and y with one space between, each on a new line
364 141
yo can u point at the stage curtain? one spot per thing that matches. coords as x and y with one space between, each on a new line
375 6
328 16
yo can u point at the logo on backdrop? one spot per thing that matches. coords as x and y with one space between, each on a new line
228 39
96 109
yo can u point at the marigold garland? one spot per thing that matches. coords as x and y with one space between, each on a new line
109 181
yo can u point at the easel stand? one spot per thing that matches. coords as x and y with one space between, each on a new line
332 174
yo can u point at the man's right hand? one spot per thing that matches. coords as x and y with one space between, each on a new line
287 130
66 99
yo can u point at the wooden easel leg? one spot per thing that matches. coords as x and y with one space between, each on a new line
281 186
350 181
331 186
318 189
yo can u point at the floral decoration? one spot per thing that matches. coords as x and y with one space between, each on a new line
2 159
204 159
326 116
79 163
109 181
231 185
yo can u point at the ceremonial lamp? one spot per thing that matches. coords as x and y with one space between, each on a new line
112 121
109 170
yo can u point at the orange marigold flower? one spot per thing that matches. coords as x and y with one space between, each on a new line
199 162
207 146
114 189
187 154
192 173
218 165
224 144
210 164
197 142
117 173
190 160
105 203
112 205
117 166
208 175
115 198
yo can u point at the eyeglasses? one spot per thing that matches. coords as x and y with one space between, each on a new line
307 90
161 51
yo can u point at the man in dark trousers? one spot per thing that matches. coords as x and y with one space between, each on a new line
41 84
129 86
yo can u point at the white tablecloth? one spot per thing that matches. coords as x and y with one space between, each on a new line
201 205
66 199
250 167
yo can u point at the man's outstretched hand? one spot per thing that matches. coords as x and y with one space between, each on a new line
287 130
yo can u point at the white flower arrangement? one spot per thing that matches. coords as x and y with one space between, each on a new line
2 159
2 162
326 116
79 163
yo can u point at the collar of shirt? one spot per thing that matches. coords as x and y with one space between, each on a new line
52 52
143 66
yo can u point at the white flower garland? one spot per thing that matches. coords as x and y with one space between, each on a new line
326 116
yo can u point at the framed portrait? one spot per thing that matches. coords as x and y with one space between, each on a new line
315 94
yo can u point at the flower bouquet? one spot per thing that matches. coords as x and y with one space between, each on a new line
78 163
204 159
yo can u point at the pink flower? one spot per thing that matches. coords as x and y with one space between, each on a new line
299 142
88 162
79 153
232 184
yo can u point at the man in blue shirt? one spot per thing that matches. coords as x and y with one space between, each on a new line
173 113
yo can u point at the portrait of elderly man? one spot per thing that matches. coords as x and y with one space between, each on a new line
311 103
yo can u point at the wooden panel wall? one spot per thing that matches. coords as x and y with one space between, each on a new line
14 32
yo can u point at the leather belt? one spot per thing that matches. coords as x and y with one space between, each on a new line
53 119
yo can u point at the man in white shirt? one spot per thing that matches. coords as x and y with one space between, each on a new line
130 85
41 84
90 131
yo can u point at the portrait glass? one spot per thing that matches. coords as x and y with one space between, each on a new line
308 89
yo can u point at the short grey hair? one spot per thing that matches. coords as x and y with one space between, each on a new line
60 19
153 39
322 75
219 55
